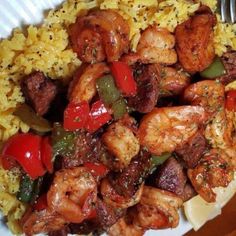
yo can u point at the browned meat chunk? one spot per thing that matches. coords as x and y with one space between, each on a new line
192 151
88 149
194 41
171 177
127 182
39 91
188 192
107 215
229 61
147 77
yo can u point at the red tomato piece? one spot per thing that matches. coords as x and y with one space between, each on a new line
8 162
46 154
124 78
41 203
231 101
97 169
98 116
25 149
75 116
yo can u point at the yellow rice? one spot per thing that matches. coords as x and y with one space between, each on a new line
9 205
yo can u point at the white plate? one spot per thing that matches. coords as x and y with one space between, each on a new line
14 13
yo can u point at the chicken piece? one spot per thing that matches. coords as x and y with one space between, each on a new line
121 142
83 85
156 45
99 35
164 129
208 94
194 41
148 78
158 209
173 81
212 171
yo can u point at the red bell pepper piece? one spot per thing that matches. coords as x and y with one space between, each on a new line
8 162
98 116
46 154
76 115
231 101
41 203
97 169
124 78
25 149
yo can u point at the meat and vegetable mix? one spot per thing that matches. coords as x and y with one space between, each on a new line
135 135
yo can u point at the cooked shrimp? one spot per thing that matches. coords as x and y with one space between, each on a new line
212 171
156 45
207 93
111 197
121 227
100 34
158 209
121 142
43 222
83 86
173 81
73 193
210 95
164 129
194 41
219 131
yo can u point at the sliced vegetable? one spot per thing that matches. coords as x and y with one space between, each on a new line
29 189
107 90
8 162
124 78
26 190
41 203
25 149
216 69
97 169
119 108
34 121
231 101
47 154
98 116
76 115
63 142
158 160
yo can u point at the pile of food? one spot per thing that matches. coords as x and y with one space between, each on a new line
115 113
